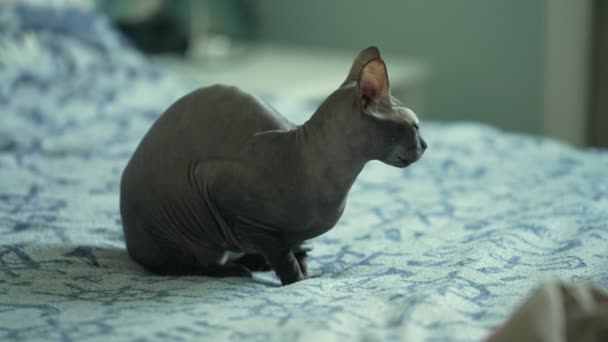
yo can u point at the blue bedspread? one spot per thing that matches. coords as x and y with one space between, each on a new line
440 251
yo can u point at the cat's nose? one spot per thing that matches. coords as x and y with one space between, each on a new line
423 144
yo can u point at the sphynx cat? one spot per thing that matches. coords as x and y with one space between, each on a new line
222 184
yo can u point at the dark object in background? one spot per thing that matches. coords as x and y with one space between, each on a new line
158 34
163 26
598 121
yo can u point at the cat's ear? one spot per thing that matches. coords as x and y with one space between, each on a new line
362 58
372 82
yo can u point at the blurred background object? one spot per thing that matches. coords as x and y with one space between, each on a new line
599 76
526 66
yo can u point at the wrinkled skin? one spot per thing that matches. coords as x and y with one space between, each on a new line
222 184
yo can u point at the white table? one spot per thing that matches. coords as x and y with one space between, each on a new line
296 73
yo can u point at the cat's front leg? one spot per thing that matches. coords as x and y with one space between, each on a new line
275 250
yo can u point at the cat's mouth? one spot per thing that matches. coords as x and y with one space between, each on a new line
401 161
404 162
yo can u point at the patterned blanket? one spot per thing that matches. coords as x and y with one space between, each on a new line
440 251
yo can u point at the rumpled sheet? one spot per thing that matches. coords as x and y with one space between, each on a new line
440 251
558 313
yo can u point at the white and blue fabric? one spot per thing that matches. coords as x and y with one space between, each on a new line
440 251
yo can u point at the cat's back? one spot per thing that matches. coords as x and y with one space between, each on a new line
214 121
211 123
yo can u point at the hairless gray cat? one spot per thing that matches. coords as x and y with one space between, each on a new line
222 184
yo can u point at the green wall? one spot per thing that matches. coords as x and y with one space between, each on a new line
486 55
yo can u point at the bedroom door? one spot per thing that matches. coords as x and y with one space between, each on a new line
598 120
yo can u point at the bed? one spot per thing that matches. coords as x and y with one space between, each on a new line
441 251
